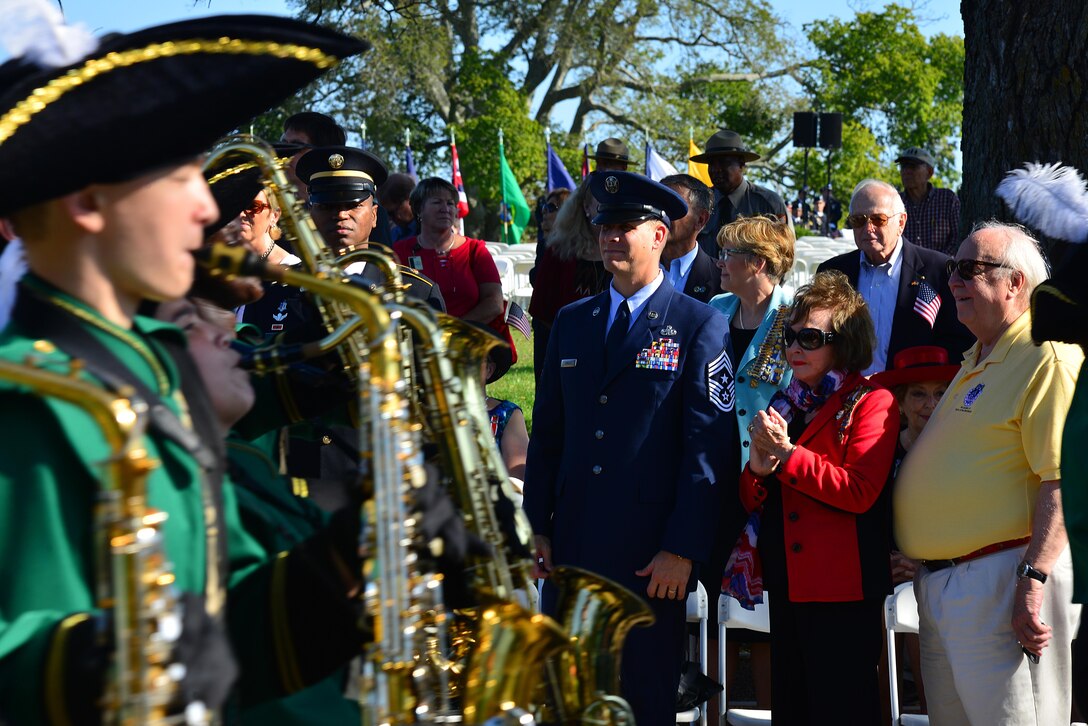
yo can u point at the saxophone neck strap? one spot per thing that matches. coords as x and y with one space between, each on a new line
66 332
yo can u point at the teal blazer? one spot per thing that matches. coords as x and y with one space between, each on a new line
762 369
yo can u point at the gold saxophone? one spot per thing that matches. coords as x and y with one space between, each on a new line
598 614
399 596
506 644
509 643
134 582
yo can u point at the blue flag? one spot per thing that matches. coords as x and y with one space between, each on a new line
410 164
558 177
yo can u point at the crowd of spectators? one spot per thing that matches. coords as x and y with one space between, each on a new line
837 390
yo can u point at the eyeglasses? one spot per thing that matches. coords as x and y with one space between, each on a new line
725 253
256 208
807 338
858 221
970 269
550 207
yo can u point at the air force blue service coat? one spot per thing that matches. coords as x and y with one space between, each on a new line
622 461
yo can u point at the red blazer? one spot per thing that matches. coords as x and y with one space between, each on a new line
836 505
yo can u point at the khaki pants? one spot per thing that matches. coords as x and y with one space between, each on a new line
974 671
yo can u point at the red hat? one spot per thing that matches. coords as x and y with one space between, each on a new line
917 364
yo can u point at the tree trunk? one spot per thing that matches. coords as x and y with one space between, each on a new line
1025 86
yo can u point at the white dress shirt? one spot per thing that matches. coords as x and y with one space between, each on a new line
635 303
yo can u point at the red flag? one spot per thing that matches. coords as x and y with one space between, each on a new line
585 160
462 198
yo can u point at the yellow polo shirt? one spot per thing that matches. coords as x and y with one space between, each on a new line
972 477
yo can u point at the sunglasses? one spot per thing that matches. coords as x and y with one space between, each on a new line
970 269
858 221
256 208
725 253
550 207
807 338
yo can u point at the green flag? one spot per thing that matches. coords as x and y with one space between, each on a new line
514 212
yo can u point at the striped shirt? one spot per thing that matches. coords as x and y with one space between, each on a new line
934 222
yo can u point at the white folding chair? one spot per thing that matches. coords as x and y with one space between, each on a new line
698 612
732 615
507 276
900 616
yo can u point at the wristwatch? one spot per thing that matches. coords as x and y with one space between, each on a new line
1025 570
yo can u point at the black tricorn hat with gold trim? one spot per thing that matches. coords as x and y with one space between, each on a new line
149 99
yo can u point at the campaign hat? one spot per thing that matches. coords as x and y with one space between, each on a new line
150 99
341 174
725 143
625 196
612 149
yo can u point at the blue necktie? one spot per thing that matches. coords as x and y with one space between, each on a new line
617 333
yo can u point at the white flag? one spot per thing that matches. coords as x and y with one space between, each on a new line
656 167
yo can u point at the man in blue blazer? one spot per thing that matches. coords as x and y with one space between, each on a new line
631 426
906 286
687 267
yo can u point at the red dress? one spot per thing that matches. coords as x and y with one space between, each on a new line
458 273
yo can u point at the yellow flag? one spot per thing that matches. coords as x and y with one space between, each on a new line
696 169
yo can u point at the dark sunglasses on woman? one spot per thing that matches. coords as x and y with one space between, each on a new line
256 208
807 338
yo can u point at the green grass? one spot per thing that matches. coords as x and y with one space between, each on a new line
519 384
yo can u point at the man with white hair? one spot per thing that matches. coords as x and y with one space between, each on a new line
978 502
906 286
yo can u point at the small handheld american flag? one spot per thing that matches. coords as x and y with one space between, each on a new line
517 318
927 303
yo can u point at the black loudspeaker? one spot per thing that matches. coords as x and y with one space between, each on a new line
804 129
830 130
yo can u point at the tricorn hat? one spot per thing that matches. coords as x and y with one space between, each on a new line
725 143
145 100
917 364
341 174
624 196
612 149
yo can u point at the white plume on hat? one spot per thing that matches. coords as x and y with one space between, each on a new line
36 31
12 268
1050 197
